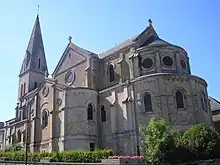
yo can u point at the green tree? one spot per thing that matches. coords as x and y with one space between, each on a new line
158 144
202 141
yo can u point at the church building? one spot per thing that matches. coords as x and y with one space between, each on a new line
99 100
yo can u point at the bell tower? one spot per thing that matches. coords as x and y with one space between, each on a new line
34 65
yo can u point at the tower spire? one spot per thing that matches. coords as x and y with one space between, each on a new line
35 56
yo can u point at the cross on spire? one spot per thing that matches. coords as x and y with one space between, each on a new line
70 39
150 21
38 9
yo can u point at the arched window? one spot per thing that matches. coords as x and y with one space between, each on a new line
111 73
24 88
179 99
203 102
19 136
103 114
147 102
39 63
35 85
21 90
90 112
45 119
24 136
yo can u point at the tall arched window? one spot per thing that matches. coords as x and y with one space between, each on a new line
24 136
103 114
39 63
90 112
21 90
24 88
203 102
19 136
45 119
111 73
179 99
35 85
147 102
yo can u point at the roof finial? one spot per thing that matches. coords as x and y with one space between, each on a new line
38 9
70 39
150 21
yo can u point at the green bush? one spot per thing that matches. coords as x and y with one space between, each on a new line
158 144
202 141
65 156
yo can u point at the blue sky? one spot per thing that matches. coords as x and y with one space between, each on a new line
99 25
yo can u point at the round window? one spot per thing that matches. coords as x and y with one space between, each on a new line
147 63
70 77
183 64
168 61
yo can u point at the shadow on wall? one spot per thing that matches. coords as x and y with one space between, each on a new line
116 132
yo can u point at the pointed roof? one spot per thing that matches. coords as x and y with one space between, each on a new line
148 37
34 50
215 104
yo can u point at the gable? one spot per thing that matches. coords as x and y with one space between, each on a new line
71 57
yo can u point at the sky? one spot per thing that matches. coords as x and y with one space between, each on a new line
100 24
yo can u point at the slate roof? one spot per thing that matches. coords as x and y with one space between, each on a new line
215 104
152 39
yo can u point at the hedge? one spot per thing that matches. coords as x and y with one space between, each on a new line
64 156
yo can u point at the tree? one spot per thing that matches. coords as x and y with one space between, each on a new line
202 141
158 144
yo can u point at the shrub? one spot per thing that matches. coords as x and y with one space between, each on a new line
202 141
157 144
65 156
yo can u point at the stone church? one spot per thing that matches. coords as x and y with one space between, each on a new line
99 100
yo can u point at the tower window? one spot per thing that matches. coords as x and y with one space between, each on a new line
103 114
39 63
179 99
21 90
24 88
147 102
45 119
111 73
35 85
90 112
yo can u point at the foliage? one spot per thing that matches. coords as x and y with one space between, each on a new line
162 145
13 148
202 141
65 156
158 143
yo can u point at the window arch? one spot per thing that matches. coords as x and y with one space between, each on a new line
103 113
147 102
19 136
179 99
111 73
45 119
39 63
90 112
